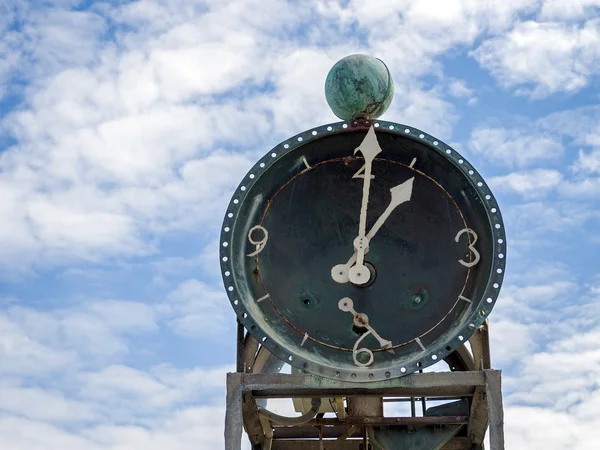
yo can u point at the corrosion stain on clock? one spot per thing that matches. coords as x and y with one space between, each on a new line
313 220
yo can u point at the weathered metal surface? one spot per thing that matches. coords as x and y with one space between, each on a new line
359 86
276 384
233 413
389 421
306 240
240 347
453 444
266 362
457 408
480 346
313 445
431 384
478 420
431 438
495 409
364 407
460 360
343 439
252 423
460 443
249 353
310 432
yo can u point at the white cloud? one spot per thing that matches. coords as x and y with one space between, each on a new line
53 46
510 341
129 393
549 56
528 426
459 89
45 405
117 141
529 184
21 353
186 429
580 124
200 309
125 316
583 188
515 147
123 143
573 9
34 341
587 162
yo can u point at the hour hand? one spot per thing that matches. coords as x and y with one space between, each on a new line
399 194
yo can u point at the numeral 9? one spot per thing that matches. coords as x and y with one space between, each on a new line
260 244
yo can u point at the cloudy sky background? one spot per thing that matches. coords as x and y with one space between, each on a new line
125 127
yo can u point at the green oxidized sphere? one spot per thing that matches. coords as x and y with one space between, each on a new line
359 86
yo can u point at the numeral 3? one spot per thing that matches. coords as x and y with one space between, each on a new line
476 254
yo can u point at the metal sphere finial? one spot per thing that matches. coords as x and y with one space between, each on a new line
359 86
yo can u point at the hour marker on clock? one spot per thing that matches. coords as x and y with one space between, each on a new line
476 254
305 162
264 297
412 163
304 339
260 244
420 344
464 298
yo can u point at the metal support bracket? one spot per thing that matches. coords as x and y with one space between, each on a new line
431 385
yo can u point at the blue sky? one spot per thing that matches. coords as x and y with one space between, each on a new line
125 127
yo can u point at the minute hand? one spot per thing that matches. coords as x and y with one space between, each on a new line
370 149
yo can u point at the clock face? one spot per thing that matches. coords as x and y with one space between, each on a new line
362 251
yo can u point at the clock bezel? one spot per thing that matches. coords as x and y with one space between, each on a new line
431 355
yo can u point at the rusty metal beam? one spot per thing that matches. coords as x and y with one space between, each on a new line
480 346
252 423
461 359
388 421
354 444
314 445
329 432
461 443
249 354
233 413
239 366
431 384
493 390
478 420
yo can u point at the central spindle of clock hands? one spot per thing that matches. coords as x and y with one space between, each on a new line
361 320
369 147
399 194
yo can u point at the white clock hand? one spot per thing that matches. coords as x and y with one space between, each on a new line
369 148
400 194
383 342
361 320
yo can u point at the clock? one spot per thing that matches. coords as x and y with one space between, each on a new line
362 250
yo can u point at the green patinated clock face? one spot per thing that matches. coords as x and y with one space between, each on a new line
363 250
